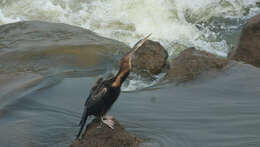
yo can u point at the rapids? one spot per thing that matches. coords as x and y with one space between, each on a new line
41 102
176 23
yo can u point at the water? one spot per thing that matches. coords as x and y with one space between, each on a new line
212 111
175 23
223 111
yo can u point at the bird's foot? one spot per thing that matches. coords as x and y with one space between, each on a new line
100 125
109 122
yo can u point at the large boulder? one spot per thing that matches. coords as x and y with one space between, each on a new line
192 62
53 47
248 49
151 58
106 137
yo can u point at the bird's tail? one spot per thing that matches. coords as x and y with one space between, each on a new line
82 122
83 116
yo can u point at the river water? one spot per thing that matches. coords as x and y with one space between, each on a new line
211 111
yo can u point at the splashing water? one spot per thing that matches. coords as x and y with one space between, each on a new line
137 82
177 24
134 81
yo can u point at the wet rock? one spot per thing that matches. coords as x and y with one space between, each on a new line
192 62
106 137
41 46
151 57
248 49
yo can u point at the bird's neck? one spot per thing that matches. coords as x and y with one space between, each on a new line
125 67
120 77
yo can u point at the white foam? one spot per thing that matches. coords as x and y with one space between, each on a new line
137 82
128 21
4 19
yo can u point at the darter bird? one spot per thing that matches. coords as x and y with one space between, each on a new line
105 92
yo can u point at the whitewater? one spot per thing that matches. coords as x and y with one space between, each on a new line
210 25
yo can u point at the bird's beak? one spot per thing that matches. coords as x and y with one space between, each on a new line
135 48
139 44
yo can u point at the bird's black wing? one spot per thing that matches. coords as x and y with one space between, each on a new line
97 84
94 99
93 90
91 93
96 96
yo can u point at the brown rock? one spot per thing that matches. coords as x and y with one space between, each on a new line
191 62
249 44
150 57
106 137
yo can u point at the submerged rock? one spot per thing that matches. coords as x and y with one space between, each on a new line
53 47
106 137
150 57
13 85
192 62
248 49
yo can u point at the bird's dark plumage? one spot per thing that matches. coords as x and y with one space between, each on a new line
105 92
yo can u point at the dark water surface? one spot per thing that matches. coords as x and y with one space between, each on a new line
220 111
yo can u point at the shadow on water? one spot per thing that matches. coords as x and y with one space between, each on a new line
222 111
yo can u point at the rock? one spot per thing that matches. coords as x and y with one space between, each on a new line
248 49
43 47
150 57
106 137
192 62
53 47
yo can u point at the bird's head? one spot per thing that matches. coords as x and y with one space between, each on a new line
126 64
